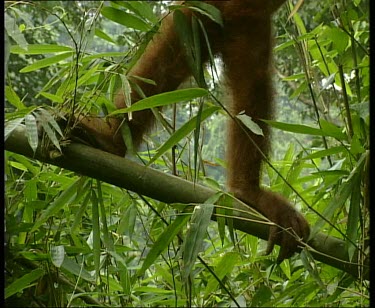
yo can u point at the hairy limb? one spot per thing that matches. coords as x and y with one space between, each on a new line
247 55
164 61
245 44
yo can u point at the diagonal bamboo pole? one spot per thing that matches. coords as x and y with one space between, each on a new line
146 181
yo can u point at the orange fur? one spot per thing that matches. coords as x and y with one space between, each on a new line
245 47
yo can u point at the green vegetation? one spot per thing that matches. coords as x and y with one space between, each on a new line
76 241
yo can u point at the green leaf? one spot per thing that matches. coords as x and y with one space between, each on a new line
362 109
45 62
23 282
103 55
32 131
222 268
7 46
297 92
356 145
51 120
163 241
95 233
228 203
310 264
220 218
294 77
284 168
354 216
205 9
163 99
224 214
185 130
341 196
66 197
197 132
57 255
299 22
106 238
324 153
125 19
292 176
262 295
295 128
28 165
127 222
250 124
11 126
37 49
104 36
50 133
13 98
14 32
152 290
141 8
340 40
195 235
76 269
126 89
52 97
123 271
81 211
188 30
34 255
284 45
329 131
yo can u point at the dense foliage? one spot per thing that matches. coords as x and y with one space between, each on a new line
76 241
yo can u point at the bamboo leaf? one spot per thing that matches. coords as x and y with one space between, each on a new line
13 98
76 269
57 255
11 126
163 99
95 233
32 131
224 267
65 198
52 97
38 49
324 153
125 19
46 62
328 130
163 241
24 282
250 124
196 234
14 32
184 131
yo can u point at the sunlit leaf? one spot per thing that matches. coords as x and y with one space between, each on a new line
32 131
38 49
250 124
125 19
57 255
13 98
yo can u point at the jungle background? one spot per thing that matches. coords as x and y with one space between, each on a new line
71 240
